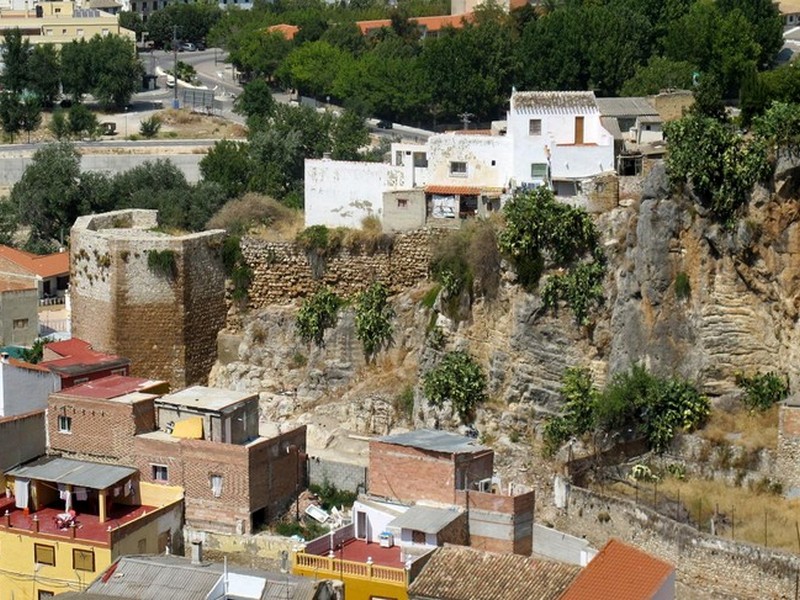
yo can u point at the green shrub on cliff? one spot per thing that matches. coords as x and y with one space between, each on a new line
317 313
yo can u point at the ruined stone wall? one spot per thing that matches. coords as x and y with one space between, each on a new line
165 322
282 271
788 455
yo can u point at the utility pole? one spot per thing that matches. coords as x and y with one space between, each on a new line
175 65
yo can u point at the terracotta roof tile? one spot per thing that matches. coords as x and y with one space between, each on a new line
553 100
46 265
620 572
288 31
452 190
435 23
461 573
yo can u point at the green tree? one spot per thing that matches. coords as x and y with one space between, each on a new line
228 164
9 221
659 73
30 114
15 54
457 378
766 25
11 114
150 126
76 69
59 125
44 66
47 197
82 121
194 21
708 98
132 20
312 68
260 54
349 134
117 71
255 101
345 36
317 313
779 126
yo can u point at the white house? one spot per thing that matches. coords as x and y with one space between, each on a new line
24 387
549 138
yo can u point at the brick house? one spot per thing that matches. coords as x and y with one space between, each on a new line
76 362
442 467
204 440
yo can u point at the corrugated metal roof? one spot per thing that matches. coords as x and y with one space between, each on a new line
436 441
425 518
611 125
633 106
294 590
553 100
461 573
81 473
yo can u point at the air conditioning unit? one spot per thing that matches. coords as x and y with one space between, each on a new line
485 485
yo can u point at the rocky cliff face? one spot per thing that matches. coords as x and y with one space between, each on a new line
683 295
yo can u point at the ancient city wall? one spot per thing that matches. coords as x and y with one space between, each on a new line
164 320
282 271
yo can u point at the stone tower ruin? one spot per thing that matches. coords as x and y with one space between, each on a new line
155 298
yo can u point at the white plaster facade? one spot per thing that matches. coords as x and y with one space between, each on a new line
549 138
341 193
24 389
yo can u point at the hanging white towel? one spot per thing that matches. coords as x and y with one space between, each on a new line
117 491
80 494
21 487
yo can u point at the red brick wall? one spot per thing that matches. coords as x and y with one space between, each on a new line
100 428
68 382
277 470
410 474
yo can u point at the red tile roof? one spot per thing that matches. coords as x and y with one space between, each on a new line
435 23
79 358
288 31
452 190
461 573
69 347
14 286
47 265
620 572
113 386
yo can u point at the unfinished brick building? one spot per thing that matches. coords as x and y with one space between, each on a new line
446 468
156 298
201 439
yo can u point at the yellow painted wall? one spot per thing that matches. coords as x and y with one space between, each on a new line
356 587
21 580
152 494
145 539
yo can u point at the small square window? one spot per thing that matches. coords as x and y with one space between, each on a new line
535 127
216 485
402 203
20 323
64 424
44 554
458 168
398 158
160 473
82 560
539 171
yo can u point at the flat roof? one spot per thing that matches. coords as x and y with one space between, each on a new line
116 387
206 398
435 441
80 473
626 107
425 518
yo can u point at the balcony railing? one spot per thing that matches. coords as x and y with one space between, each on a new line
337 568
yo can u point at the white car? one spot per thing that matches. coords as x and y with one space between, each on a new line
170 81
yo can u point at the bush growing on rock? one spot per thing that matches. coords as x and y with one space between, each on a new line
459 379
762 390
317 313
374 317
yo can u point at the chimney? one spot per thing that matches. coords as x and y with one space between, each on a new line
197 553
4 357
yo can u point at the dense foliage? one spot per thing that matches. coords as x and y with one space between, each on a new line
762 390
635 46
53 192
542 233
374 317
635 402
457 378
317 313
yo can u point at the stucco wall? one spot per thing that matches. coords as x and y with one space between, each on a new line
489 160
19 305
24 390
341 193
22 438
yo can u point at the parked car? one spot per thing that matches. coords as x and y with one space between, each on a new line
200 46
384 124
187 47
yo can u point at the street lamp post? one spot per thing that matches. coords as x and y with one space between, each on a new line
126 121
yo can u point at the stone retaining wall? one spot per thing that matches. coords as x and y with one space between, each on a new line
753 571
282 271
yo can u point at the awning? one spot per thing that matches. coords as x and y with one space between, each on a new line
189 429
453 190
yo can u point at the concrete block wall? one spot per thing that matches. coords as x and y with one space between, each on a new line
409 474
499 523
343 476
22 438
788 451
166 325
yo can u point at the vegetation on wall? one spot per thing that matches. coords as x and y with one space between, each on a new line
542 233
317 313
163 263
457 378
374 317
236 267
634 403
762 390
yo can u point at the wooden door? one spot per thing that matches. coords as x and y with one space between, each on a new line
578 130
